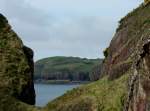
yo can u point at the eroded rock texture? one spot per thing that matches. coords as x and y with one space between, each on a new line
139 93
129 51
122 49
16 67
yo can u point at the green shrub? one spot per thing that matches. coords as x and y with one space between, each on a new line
105 52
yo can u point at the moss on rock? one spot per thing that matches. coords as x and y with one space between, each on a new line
16 74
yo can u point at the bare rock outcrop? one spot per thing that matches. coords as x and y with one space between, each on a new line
121 52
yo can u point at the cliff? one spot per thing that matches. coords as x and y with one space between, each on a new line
16 70
65 68
124 84
129 51
122 49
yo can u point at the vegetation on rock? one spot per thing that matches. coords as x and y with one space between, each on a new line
147 1
122 49
65 68
105 52
16 73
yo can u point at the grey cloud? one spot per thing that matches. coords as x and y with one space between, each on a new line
30 23
55 35
86 30
19 9
30 32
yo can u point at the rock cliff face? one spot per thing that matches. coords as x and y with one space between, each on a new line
121 52
16 68
139 85
129 51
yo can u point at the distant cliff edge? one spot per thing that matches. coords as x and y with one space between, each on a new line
67 68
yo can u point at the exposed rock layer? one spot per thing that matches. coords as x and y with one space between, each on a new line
138 97
121 52
129 51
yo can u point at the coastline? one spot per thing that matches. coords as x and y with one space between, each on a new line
60 82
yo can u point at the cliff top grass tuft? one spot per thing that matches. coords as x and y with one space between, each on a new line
147 1
3 21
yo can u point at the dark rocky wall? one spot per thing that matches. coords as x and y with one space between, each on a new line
16 66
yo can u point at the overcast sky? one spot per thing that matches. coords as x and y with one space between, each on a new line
81 28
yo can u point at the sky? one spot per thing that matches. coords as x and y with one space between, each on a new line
82 28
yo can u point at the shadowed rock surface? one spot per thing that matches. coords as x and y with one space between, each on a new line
16 69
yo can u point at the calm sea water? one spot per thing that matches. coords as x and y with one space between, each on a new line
47 92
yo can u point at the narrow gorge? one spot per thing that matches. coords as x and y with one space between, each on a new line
123 85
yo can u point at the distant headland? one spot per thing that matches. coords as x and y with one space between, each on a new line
64 70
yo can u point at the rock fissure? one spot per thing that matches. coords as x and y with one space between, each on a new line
136 82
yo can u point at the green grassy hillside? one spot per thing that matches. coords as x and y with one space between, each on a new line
65 68
103 95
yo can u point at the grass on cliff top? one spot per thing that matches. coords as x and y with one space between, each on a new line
72 63
103 95
136 18
66 65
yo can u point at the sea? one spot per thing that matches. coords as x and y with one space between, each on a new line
48 92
